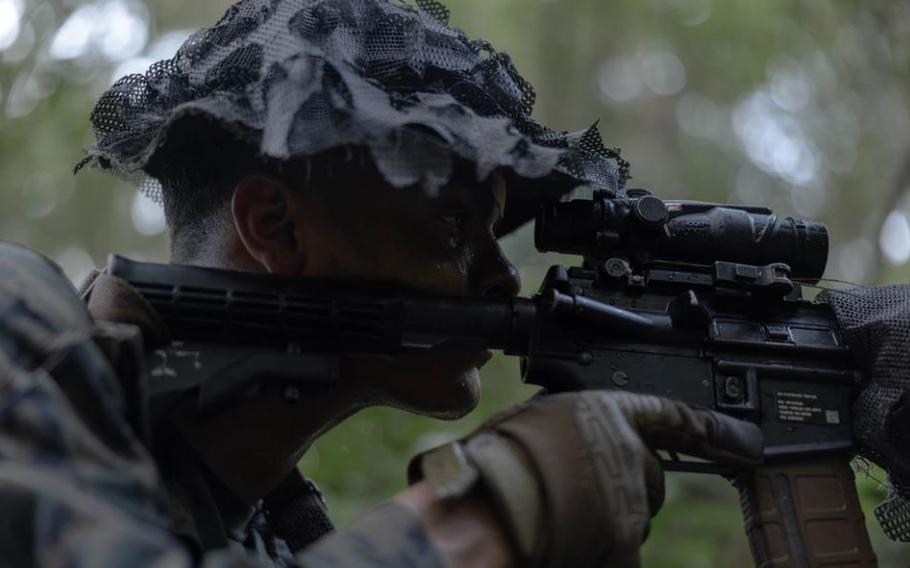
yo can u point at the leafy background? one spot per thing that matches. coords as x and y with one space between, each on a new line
802 106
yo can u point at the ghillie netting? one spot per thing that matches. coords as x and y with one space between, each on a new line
875 323
294 78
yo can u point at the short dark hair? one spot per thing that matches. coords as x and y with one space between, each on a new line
197 167
202 162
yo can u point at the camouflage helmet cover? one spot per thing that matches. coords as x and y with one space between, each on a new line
294 78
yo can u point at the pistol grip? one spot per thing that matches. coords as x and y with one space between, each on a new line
805 514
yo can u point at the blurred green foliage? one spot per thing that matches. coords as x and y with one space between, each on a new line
802 106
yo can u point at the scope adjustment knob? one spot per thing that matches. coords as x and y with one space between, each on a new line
651 211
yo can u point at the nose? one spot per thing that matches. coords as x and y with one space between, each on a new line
496 277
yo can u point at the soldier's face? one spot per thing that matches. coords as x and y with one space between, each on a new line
443 243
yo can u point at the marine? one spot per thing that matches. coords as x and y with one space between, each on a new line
364 140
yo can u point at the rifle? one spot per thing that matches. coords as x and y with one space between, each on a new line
696 302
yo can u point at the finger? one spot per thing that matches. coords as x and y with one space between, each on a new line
669 425
654 483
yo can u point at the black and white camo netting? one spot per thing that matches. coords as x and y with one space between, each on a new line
294 78
875 323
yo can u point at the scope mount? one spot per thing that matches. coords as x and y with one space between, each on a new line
733 277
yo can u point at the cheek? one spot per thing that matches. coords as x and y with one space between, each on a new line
416 264
446 272
382 247
443 277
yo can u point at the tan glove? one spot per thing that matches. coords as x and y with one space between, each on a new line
574 477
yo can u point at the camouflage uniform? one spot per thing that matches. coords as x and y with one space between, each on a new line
79 485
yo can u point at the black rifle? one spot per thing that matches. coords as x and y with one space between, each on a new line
697 302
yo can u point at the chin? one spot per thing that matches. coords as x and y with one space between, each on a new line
441 385
454 398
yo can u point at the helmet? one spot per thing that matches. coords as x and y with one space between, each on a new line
295 78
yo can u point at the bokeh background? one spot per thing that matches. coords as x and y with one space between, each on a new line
801 106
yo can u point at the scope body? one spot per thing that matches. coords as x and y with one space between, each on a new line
644 229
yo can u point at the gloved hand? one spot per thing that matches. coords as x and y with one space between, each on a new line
574 477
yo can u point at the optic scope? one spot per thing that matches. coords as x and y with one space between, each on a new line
643 228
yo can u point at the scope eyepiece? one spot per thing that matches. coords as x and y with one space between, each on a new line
641 226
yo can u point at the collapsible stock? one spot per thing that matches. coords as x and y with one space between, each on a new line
805 514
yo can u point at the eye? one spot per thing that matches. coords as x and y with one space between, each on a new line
453 226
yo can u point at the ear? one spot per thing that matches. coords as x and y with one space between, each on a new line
264 212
